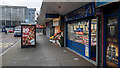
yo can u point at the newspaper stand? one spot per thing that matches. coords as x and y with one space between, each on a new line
28 38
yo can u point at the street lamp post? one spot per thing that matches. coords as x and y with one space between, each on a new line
10 19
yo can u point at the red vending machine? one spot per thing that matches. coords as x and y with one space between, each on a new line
28 38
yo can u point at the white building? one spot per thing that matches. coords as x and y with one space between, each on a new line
12 15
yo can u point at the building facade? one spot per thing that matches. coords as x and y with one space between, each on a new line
30 15
12 15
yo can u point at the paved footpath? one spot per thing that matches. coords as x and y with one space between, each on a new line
45 54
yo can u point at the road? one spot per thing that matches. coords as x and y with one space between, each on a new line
7 40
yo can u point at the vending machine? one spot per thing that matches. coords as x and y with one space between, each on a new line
28 38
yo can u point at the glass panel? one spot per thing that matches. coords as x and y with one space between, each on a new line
79 32
93 38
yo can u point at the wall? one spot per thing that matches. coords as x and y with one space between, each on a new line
47 30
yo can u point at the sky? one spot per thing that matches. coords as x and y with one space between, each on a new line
29 3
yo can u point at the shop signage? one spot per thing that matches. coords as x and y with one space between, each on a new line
85 11
56 22
104 2
51 15
87 50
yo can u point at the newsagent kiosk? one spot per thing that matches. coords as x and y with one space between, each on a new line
81 33
111 33
28 38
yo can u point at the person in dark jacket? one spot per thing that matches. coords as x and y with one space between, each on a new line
5 31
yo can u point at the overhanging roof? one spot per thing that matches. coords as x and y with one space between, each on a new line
60 8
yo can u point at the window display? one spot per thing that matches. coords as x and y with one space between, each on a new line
93 38
79 32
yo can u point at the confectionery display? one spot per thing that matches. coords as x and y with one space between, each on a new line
79 32
93 32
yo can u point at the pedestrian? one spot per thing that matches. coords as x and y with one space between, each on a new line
5 31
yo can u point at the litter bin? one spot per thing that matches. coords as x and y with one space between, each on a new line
28 38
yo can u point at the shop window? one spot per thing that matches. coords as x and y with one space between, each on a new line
3 22
93 38
79 32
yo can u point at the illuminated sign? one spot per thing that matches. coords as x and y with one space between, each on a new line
28 35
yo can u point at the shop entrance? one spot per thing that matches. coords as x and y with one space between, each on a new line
82 38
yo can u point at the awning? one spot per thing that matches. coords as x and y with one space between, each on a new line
60 8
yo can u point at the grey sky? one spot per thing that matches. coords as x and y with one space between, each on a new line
29 3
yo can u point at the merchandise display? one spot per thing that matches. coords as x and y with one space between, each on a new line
82 31
79 32
93 38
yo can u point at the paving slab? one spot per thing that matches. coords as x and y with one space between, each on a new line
45 54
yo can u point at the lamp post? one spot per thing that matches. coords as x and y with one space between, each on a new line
10 19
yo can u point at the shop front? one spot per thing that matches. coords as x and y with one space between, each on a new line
57 37
82 32
49 29
111 36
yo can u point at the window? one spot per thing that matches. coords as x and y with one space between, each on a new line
29 14
93 38
3 22
8 22
79 32
33 17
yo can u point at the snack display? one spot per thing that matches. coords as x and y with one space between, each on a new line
79 32
93 38
28 35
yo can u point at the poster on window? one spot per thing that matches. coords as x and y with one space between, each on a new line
112 41
28 35
87 50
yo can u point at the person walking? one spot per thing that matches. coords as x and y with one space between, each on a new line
5 31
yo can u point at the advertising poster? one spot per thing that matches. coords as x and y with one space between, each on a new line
87 50
28 35
112 42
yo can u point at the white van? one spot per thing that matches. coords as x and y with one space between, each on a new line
17 31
